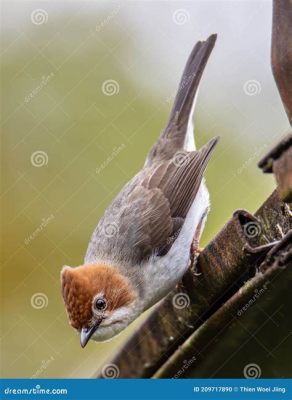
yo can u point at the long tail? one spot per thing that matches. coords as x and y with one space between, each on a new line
173 137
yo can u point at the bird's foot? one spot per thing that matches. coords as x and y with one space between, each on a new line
196 250
199 250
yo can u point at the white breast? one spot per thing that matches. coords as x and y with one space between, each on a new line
161 274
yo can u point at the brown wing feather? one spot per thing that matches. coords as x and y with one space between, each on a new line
149 212
180 183
131 228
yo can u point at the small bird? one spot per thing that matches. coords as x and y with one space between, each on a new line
142 245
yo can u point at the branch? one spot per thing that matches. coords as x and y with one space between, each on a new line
205 338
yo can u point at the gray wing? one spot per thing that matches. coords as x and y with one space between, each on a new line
147 215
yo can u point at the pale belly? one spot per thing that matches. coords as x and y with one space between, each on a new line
163 273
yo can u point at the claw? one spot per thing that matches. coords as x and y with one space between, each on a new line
261 249
195 249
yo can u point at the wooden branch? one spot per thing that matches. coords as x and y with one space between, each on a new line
277 271
279 161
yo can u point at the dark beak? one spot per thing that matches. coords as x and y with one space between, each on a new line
86 333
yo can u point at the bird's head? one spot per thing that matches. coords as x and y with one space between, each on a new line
100 302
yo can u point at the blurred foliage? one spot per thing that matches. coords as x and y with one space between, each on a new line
52 101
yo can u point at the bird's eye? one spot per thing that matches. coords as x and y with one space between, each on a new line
100 303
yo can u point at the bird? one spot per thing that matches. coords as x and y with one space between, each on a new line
142 245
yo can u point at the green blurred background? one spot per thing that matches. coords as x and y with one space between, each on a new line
70 141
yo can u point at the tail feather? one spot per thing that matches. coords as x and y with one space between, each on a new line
174 135
182 107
